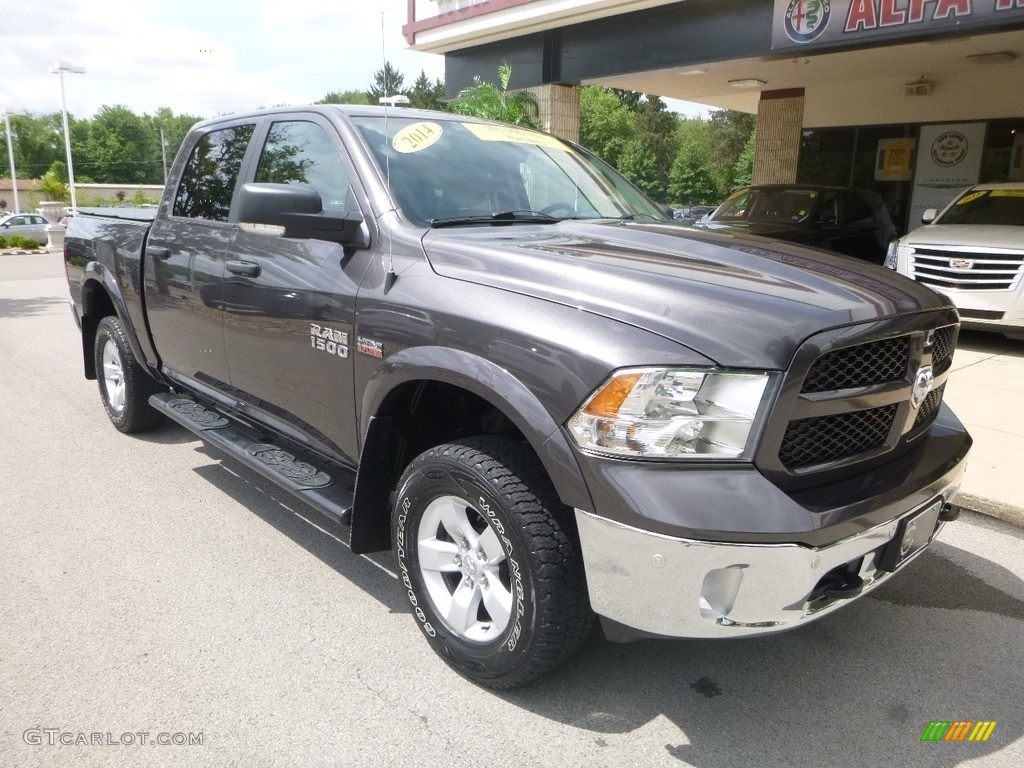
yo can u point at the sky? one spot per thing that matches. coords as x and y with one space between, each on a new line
201 57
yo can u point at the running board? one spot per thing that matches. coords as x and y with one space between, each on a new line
330 493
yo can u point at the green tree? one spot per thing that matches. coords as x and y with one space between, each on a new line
122 148
37 142
690 182
743 172
729 133
606 124
484 99
638 164
344 97
52 186
175 129
426 94
387 81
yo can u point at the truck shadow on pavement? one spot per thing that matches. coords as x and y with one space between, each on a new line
989 343
322 537
857 688
27 307
940 642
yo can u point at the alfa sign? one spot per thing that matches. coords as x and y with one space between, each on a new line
826 23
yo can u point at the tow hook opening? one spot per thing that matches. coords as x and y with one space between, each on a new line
841 583
949 513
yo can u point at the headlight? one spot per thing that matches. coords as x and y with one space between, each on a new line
672 413
890 255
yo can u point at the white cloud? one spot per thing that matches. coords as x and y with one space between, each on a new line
198 56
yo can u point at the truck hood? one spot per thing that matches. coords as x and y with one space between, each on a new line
740 301
779 230
968 236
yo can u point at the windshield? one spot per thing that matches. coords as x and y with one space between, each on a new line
445 172
987 206
768 206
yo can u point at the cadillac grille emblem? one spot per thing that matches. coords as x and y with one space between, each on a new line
922 386
961 264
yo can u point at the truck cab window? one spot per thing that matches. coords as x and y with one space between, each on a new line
300 152
208 179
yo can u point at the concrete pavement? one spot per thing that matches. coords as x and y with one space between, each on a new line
986 390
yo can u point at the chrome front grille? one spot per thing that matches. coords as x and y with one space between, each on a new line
967 270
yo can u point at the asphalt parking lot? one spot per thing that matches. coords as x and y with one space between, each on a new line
150 588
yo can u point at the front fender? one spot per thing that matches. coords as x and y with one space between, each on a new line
482 378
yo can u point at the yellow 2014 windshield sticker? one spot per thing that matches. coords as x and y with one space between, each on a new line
1007 193
511 133
972 197
416 137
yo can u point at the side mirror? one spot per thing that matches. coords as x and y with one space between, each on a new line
296 210
929 215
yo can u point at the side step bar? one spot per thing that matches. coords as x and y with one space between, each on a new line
328 492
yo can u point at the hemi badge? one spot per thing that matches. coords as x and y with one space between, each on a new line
369 347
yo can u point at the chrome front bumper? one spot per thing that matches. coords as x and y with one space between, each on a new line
676 587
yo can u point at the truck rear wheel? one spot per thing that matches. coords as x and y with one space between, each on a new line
489 559
124 387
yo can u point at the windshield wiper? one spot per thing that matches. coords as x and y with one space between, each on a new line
504 217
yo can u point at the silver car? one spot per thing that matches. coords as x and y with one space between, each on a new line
25 224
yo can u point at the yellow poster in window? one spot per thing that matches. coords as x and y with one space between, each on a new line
894 159
511 133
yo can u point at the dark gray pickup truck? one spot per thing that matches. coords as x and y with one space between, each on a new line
482 348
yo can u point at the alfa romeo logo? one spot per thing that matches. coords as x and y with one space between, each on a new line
922 386
807 19
949 149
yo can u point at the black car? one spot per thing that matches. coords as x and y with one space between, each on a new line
854 222
692 214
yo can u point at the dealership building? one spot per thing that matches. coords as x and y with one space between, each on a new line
914 99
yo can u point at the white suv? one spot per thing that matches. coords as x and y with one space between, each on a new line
973 252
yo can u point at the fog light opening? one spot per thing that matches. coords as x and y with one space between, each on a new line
719 590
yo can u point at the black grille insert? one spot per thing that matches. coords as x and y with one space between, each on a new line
942 345
928 408
829 438
875 363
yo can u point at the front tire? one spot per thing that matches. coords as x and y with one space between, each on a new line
489 560
125 387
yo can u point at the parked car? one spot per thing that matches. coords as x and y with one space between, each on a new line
853 222
973 252
692 214
25 224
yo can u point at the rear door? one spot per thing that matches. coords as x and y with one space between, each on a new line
185 257
289 303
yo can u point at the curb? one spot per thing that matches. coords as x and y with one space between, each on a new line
21 252
1005 512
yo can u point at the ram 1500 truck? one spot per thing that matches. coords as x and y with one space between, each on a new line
480 347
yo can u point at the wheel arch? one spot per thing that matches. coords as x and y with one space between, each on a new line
101 297
425 396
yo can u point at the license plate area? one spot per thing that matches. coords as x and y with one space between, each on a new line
913 534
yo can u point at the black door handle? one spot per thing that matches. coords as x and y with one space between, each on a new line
245 268
157 252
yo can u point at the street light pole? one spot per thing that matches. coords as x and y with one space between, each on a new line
10 156
59 69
